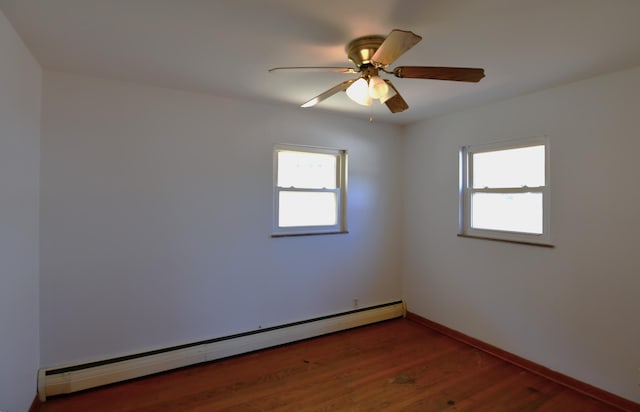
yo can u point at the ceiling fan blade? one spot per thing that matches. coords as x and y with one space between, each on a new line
394 46
348 70
460 74
323 96
396 104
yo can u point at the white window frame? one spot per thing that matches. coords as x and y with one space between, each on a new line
466 191
340 191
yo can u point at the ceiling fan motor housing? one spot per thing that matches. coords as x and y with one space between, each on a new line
361 50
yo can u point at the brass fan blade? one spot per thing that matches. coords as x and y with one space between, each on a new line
323 96
396 104
348 70
460 74
394 46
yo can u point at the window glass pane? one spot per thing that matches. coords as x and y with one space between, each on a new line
308 209
306 170
509 168
513 212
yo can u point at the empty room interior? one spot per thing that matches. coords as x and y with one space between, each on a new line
165 200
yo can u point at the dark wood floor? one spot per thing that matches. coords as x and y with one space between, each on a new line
396 365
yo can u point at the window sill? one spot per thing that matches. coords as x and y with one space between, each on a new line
522 242
343 232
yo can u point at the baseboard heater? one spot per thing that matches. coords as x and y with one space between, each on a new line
73 378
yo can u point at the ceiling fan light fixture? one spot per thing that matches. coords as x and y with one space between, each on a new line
388 95
378 88
359 92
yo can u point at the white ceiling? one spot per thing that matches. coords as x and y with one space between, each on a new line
225 47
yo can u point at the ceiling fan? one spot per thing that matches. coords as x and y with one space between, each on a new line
372 55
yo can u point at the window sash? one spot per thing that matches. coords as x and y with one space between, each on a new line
511 162
338 207
333 182
507 212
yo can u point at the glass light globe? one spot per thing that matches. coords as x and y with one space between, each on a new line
378 88
359 92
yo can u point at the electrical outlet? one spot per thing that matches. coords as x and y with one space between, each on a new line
355 302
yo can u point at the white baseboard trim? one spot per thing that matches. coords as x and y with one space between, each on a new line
72 378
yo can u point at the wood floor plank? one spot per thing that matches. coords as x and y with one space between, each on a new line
395 365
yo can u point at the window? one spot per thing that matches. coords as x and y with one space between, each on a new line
309 190
504 191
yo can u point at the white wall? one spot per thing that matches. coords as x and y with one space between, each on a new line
20 91
157 214
574 308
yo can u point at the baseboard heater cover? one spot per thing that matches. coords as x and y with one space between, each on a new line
73 378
